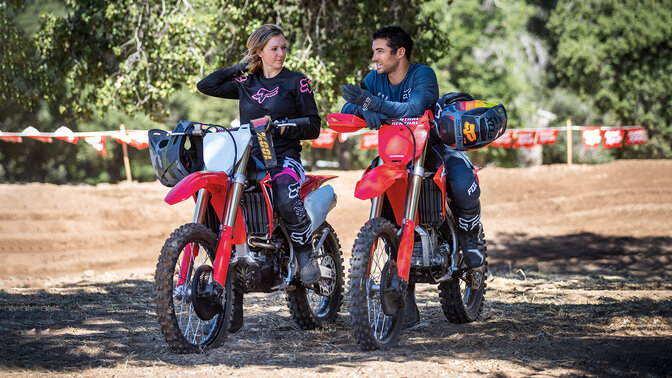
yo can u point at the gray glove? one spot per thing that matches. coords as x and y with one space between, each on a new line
373 119
358 96
244 64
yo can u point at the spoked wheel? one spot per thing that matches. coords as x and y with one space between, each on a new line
372 264
193 310
462 298
319 304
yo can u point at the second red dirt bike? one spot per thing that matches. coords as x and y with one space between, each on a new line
236 241
411 237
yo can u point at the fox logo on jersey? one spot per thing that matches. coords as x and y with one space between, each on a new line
305 86
263 94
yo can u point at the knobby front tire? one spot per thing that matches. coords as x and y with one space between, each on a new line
376 243
183 330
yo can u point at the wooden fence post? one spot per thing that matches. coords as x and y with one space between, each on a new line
569 142
127 164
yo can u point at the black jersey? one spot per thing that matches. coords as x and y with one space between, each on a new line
287 95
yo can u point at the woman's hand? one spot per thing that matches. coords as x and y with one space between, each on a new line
244 64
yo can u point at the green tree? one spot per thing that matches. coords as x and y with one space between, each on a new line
19 74
135 56
129 55
618 55
495 56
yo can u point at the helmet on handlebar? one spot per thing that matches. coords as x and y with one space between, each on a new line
466 124
175 156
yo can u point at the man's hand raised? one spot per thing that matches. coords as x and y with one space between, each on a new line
358 96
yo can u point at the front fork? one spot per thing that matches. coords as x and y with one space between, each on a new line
224 245
191 249
410 216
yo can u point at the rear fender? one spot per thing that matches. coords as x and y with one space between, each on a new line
376 181
312 183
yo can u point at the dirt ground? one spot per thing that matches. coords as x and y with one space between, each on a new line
580 284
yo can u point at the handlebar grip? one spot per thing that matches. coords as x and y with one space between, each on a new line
297 121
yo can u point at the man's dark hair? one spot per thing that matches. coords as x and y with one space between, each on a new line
396 37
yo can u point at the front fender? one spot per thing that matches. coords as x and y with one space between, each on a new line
376 181
188 186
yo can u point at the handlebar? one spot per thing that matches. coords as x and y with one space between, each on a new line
199 130
292 122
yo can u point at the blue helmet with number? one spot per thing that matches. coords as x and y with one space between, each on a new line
468 124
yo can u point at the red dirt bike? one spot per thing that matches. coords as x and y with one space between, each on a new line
410 237
236 239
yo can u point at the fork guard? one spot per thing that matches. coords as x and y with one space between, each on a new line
377 180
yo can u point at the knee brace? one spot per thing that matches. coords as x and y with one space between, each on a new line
289 205
462 184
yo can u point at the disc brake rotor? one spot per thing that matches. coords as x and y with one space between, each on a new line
392 289
474 277
204 297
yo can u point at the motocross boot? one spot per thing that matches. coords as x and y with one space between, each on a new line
309 269
236 323
411 312
469 231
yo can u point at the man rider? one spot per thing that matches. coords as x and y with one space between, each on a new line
398 88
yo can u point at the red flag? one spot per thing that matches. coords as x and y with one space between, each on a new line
592 136
636 135
613 138
32 132
525 139
547 136
138 139
326 139
97 142
504 141
369 141
11 138
65 134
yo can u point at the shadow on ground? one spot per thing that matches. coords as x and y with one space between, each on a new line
647 259
90 325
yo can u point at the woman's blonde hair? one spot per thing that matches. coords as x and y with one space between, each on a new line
257 40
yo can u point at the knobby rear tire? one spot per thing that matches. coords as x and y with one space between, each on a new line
309 309
462 304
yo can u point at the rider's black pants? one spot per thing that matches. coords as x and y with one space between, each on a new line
287 178
462 186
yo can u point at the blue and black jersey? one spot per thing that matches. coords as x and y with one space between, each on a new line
416 93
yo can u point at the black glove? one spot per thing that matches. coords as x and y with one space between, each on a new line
358 96
373 119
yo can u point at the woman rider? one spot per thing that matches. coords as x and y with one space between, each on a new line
271 89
